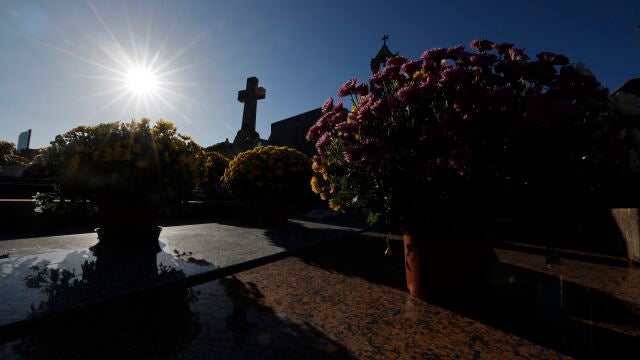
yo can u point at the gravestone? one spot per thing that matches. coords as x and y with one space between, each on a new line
247 137
292 131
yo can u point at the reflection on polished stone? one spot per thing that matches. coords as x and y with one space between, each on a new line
52 281
153 324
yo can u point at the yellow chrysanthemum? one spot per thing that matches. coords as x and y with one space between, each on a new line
419 75
333 206
315 185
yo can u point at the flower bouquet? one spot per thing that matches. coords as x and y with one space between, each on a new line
459 127
130 171
275 178
434 145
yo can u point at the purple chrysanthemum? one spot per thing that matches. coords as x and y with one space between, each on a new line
482 60
396 61
481 45
391 72
455 52
347 127
456 75
553 59
312 132
347 88
382 108
502 48
352 154
409 95
361 89
322 143
435 55
338 117
327 106
518 54
410 67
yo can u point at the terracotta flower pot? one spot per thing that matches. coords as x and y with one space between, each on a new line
447 262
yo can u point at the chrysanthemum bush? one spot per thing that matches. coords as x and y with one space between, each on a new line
467 127
269 174
216 166
126 161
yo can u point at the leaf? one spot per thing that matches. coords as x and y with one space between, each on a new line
373 218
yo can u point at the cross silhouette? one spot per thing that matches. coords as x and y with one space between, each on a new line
385 38
250 97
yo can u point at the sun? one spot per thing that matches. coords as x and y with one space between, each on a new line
141 80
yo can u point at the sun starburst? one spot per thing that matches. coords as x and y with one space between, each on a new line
139 77
142 81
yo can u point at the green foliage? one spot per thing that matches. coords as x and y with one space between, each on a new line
7 153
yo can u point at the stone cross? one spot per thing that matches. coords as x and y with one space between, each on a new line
250 97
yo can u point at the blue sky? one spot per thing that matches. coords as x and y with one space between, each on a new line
63 63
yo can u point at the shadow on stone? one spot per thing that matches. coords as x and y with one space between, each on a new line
259 333
564 316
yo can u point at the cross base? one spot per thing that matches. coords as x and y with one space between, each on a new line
246 139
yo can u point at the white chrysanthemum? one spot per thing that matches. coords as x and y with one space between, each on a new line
626 103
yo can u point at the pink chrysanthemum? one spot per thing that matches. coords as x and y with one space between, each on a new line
435 55
322 143
456 75
502 48
481 45
483 60
327 106
396 61
553 59
410 67
455 52
352 155
361 89
409 95
518 55
347 88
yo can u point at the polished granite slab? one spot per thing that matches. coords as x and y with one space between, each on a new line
347 300
31 270
343 300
